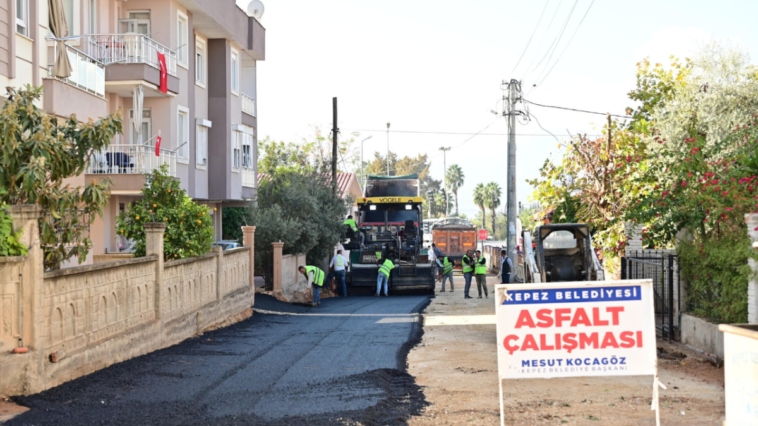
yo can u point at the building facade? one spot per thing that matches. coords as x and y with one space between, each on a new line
205 115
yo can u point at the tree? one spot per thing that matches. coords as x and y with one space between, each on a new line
189 227
39 152
10 245
492 201
455 179
480 199
405 166
300 210
233 219
312 155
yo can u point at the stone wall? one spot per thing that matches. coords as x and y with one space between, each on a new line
78 320
294 286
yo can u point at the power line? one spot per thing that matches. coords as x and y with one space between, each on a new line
550 25
576 110
540 124
446 133
554 47
551 48
567 45
532 36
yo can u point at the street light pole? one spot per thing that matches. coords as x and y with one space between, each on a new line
444 176
388 149
362 180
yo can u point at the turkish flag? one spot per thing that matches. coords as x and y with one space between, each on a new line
164 72
158 146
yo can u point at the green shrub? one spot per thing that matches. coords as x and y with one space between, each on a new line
189 226
9 240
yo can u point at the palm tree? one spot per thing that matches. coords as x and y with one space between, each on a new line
480 197
492 193
455 179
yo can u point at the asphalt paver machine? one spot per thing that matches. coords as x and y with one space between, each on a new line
561 252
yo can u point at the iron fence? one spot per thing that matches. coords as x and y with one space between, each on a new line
663 269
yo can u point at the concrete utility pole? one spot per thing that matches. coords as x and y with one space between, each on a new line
514 94
444 165
335 131
363 181
388 149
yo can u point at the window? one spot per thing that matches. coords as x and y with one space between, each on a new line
22 17
201 143
235 72
146 127
138 22
236 136
92 16
181 39
247 150
182 135
200 63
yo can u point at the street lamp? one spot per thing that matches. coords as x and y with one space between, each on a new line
430 194
388 149
363 181
444 175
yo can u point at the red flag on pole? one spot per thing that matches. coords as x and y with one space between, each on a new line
158 146
164 72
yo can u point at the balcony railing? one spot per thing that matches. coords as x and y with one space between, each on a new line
87 73
131 160
129 49
248 177
248 104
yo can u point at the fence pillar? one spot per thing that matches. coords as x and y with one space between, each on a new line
220 271
277 267
752 288
248 240
154 246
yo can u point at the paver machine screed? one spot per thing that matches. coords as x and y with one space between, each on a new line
562 252
391 217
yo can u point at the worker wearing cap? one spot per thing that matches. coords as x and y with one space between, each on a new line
468 272
315 277
446 266
383 276
480 272
351 223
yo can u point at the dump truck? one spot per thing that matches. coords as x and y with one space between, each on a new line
561 253
454 236
391 217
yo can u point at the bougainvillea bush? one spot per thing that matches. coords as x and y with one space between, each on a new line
189 225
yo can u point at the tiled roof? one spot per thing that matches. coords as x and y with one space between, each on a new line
344 181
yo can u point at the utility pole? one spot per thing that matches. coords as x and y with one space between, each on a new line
335 131
514 94
444 165
388 149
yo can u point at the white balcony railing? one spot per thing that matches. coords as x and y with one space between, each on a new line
131 160
87 73
129 49
248 104
248 177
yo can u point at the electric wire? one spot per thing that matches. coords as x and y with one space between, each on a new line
532 36
566 47
539 124
557 42
576 110
542 42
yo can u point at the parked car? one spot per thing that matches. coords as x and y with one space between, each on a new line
227 244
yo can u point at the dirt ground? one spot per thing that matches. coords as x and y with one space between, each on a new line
456 364
9 410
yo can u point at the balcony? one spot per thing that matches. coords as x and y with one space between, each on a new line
131 160
129 49
248 104
87 73
248 177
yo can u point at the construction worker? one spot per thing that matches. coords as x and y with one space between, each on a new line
315 277
446 266
468 271
384 275
480 272
506 266
351 223
339 263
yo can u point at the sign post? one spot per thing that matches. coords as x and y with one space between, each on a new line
575 329
482 235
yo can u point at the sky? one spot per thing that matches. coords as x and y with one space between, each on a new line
437 66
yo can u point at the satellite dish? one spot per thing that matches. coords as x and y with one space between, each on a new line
255 9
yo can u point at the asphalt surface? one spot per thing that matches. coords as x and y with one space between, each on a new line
344 365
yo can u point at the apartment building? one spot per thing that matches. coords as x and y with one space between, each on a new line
204 113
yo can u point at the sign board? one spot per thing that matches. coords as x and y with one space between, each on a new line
589 328
483 234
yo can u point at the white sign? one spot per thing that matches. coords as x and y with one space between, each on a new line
589 328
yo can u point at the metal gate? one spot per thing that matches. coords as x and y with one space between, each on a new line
663 269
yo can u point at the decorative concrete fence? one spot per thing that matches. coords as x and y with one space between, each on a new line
75 321
289 284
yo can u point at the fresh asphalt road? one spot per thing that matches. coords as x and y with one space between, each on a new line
339 363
